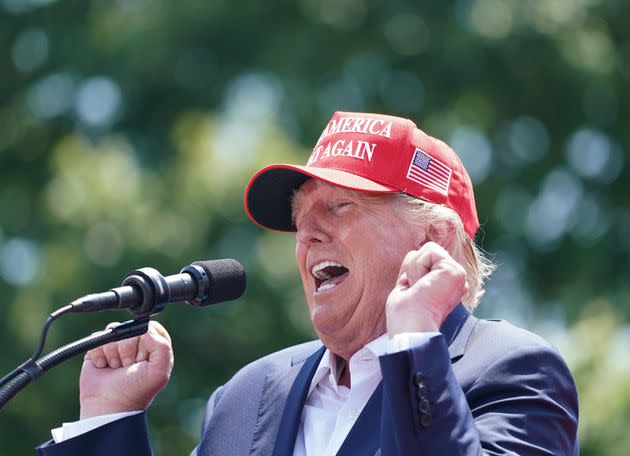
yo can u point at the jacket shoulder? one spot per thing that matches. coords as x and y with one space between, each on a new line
500 336
497 347
284 358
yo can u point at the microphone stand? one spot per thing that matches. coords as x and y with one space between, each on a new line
154 292
33 369
151 290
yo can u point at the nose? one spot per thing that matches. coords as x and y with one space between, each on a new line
311 231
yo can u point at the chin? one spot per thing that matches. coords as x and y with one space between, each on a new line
323 322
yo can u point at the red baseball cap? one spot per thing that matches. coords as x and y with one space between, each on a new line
371 153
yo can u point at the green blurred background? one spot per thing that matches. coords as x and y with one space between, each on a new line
129 128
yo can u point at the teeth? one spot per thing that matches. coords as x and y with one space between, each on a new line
326 286
317 270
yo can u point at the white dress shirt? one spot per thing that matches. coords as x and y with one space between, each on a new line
330 409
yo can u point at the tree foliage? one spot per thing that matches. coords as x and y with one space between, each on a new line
129 128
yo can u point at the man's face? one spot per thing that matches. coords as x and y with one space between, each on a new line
349 250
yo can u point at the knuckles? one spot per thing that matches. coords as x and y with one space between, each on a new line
455 272
431 283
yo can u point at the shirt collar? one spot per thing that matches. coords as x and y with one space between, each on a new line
328 368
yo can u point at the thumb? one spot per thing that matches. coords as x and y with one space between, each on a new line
155 347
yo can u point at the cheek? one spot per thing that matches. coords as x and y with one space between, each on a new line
385 259
300 258
300 253
385 265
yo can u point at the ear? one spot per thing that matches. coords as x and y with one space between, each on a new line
442 233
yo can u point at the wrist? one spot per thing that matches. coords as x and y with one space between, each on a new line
92 408
417 323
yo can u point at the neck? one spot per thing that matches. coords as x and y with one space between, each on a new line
344 345
343 379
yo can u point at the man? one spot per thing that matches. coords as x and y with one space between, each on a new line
385 218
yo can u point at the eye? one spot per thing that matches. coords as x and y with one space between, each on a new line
341 206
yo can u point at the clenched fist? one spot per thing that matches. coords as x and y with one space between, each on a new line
126 375
430 285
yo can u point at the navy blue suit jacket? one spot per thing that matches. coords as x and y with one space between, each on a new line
482 387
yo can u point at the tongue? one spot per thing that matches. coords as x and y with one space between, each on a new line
336 280
334 270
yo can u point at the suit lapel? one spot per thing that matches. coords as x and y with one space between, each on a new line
292 415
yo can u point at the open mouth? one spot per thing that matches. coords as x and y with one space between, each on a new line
328 274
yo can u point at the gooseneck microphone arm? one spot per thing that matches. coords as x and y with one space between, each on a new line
144 292
31 371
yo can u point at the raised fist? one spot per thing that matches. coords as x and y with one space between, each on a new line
430 285
126 376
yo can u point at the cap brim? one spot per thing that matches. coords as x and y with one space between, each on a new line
269 192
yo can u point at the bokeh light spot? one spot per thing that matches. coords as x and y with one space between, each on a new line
252 101
98 101
592 220
592 155
30 50
51 96
523 141
343 14
551 214
474 150
19 261
340 94
492 18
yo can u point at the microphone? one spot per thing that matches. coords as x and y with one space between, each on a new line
146 292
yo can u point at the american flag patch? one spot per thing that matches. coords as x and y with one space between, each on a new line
429 171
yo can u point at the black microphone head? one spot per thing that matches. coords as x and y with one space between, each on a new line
227 280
